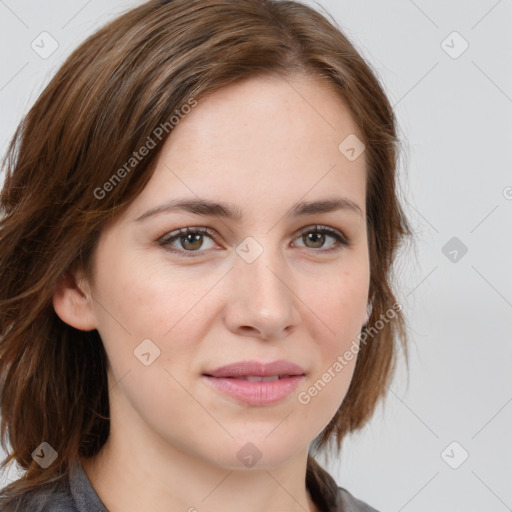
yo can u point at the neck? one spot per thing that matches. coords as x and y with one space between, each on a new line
167 479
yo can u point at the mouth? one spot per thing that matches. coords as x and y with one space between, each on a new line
256 383
256 378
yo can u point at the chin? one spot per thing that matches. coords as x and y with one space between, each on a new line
263 451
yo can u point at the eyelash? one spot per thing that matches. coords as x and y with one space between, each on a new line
166 240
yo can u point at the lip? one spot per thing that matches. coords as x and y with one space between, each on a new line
228 380
244 368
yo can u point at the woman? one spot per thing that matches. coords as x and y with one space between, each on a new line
200 218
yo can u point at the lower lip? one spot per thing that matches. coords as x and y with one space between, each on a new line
256 393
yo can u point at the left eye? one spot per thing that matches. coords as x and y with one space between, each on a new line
192 239
317 236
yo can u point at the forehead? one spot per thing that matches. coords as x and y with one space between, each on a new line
295 109
263 137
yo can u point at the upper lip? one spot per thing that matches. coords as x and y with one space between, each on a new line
255 368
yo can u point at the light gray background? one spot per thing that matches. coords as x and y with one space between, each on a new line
455 115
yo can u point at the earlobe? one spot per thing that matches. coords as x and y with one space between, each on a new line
72 302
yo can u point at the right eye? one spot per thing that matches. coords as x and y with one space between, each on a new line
190 240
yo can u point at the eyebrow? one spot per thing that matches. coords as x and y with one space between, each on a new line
205 207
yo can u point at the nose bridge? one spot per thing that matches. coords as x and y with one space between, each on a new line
261 274
262 298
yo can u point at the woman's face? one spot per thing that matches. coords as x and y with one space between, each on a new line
262 284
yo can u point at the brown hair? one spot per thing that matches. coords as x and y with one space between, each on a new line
125 80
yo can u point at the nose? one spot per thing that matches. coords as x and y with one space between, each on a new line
262 302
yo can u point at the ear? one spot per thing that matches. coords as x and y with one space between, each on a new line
72 301
369 310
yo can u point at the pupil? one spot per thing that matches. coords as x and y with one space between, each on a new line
315 238
191 239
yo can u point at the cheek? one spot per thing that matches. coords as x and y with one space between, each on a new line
150 330
141 302
148 299
338 303
341 309
338 309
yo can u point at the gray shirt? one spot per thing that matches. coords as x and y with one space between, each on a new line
76 494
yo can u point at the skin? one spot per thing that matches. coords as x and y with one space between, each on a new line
262 144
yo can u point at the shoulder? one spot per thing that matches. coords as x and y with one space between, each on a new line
349 503
52 498
328 495
72 492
